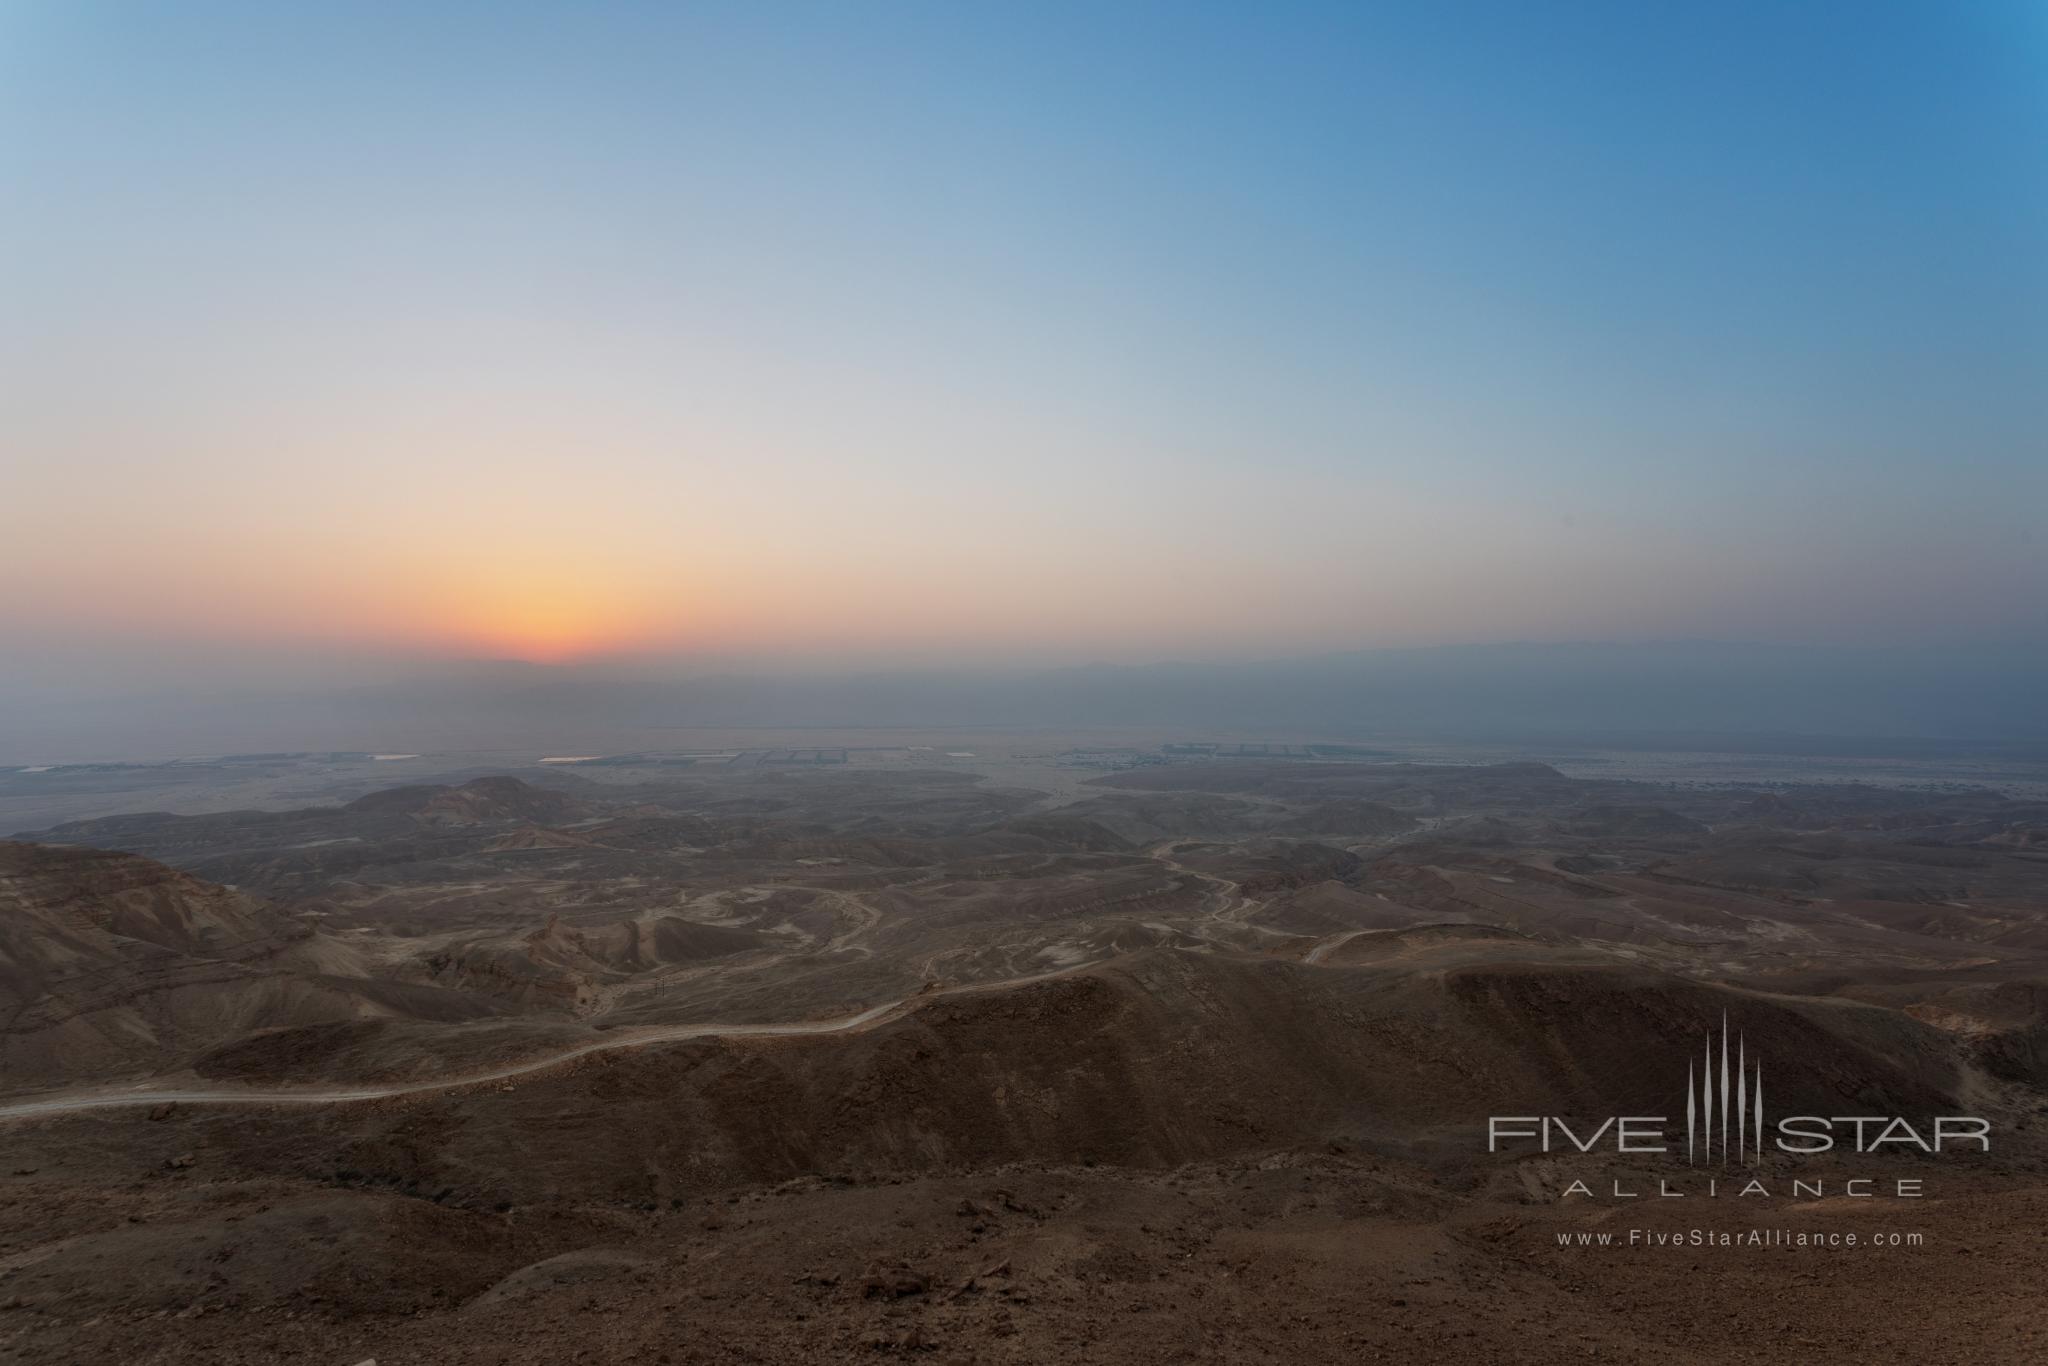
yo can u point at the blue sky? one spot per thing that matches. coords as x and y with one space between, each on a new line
1023 331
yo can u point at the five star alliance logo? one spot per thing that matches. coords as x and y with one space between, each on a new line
1740 1108
1724 1121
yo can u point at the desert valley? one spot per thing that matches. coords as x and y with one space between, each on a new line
1189 1056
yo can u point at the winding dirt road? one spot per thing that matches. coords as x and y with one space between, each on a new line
1328 946
1228 905
142 1093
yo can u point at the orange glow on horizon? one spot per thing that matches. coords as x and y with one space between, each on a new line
545 624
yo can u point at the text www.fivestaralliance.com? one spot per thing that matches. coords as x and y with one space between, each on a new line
1643 1238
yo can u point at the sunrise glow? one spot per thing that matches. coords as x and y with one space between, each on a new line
959 349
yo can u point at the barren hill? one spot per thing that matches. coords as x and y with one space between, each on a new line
111 964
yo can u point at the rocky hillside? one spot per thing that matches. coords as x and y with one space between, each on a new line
112 964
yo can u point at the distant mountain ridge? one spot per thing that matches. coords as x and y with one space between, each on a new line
1477 691
1503 693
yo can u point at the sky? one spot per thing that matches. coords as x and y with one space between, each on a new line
339 335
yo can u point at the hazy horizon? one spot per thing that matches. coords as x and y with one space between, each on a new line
1949 699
